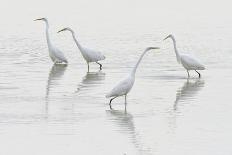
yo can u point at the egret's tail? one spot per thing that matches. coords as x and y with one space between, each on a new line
102 57
108 95
66 61
202 67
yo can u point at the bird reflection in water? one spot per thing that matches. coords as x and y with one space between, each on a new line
55 74
188 91
91 79
125 122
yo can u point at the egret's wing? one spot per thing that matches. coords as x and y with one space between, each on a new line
60 55
94 55
121 88
192 62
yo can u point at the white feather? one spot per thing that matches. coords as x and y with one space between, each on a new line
55 54
124 86
191 63
91 55
88 54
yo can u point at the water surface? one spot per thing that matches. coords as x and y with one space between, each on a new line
58 109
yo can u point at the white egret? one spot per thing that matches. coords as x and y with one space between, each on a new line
88 54
55 54
187 61
124 86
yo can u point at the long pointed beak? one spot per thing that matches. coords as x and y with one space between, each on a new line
155 48
38 19
150 48
166 38
61 30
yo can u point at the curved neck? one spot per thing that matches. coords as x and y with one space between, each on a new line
175 49
138 62
47 34
74 38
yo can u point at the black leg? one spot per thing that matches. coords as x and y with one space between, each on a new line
111 101
99 65
198 73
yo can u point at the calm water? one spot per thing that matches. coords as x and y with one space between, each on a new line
47 109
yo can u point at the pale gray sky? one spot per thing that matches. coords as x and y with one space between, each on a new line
116 12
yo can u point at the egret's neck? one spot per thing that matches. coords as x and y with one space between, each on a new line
77 43
137 64
47 34
176 51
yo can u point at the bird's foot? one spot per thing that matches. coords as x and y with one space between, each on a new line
110 107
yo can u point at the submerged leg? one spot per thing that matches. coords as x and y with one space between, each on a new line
88 66
188 73
125 102
111 101
198 73
100 65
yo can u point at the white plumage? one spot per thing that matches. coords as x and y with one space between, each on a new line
124 86
88 54
188 62
91 55
55 54
191 63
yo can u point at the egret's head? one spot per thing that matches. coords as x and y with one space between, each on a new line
66 29
169 36
43 19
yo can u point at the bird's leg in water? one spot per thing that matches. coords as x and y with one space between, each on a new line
198 73
188 73
88 66
125 102
100 65
111 101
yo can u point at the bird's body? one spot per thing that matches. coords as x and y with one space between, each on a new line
88 54
91 55
191 63
124 86
188 62
55 54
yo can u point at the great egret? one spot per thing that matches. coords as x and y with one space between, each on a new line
124 87
55 54
88 54
187 61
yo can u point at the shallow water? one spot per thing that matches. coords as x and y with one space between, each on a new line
47 109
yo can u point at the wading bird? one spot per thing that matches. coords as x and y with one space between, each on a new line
55 54
88 54
187 61
124 86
